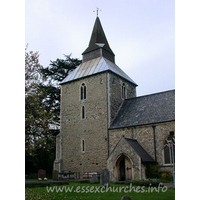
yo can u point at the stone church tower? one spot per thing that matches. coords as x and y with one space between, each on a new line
91 96
104 125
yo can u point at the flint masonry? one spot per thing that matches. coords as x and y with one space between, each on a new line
105 125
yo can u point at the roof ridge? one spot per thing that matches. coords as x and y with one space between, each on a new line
149 94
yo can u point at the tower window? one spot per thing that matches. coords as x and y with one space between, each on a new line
83 145
83 91
123 91
169 150
83 112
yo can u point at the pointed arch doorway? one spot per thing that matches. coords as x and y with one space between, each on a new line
122 172
124 168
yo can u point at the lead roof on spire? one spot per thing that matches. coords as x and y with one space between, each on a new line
98 39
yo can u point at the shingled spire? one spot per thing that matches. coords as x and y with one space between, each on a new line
98 45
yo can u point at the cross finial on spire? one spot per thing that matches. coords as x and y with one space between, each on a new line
97 10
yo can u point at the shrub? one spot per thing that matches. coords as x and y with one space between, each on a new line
152 170
163 175
166 177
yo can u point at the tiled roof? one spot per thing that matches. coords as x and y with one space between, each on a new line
140 151
149 109
95 66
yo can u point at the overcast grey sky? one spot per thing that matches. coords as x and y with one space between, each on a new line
141 33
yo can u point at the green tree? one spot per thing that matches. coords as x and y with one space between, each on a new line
42 108
39 137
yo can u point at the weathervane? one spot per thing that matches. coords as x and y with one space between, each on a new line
97 10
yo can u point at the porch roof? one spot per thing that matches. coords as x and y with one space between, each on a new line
140 151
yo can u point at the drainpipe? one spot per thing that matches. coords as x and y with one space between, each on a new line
154 140
108 107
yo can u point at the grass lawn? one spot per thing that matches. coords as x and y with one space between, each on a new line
82 191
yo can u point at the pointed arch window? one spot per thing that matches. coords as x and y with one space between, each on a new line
83 91
123 91
169 150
